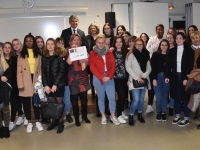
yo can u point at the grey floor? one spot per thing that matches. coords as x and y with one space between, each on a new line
149 136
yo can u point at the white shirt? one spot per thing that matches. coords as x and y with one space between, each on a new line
153 44
179 57
104 59
196 47
73 30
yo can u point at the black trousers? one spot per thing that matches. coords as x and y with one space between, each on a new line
26 101
151 92
16 107
120 88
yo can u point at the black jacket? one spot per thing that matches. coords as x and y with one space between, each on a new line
186 68
58 71
66 34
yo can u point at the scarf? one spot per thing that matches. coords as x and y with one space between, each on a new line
142 58
101 52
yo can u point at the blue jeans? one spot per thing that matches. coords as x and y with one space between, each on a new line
177 102
109 87
67 100
137 99
162 93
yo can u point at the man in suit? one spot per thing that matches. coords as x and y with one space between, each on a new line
66 34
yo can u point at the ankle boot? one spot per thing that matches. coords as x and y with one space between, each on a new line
1 132
131 121
6 132
60 127
53 124
84 114
141 118
93 93
171 112
76 115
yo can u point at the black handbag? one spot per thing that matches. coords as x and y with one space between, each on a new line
52 110
136 84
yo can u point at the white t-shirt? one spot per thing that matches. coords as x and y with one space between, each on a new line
179 57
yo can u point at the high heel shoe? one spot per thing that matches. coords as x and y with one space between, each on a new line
60 127
141 118
131 121
86 120
53 124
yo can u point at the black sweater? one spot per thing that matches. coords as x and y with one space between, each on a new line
158 64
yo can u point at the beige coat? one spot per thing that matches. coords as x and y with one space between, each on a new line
24 76
134 71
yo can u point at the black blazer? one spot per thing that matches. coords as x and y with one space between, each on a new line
186 68
66 34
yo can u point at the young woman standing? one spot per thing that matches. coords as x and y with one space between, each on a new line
179 64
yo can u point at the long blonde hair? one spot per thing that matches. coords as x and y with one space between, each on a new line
3 60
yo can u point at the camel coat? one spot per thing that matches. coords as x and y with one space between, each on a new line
24 79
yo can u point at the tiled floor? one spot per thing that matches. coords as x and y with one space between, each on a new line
149 136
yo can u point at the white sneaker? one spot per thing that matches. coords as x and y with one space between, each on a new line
121 119
149 109
103 120
39 126
124 115
19 121
29 128
3 124
11 126
114 120
25 121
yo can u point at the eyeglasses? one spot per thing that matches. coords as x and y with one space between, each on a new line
29 41
138 44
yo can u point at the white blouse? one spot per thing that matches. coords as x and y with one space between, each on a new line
179 57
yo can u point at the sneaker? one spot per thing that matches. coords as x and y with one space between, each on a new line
158 117
39 126
184 123
19 121
11 126
29 128
176 120
149 109
124 115
25 121
121 119
164 117
114 120
103 120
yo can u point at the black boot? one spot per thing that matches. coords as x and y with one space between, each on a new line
69 118
6 132
76 115
196 116
131 121
53 124
84 114
141 118
171 112
1 132
60 127
93 93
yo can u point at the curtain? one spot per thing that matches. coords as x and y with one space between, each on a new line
188 15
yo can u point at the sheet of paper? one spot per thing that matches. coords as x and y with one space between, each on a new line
78 53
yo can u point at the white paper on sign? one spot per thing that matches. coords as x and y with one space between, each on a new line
78 53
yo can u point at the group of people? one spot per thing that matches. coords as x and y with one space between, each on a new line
115 65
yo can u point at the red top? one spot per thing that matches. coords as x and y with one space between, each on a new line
96 64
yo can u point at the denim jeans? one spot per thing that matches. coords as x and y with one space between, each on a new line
137 100
162 92
177 102
109 87
67 100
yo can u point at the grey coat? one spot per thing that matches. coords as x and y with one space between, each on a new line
134 71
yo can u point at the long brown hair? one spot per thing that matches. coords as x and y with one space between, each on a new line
11 52
57 50
39 37
132 50
124 48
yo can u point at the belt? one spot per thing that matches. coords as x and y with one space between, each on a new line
178 73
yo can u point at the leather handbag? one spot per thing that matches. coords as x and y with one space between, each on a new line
136 84
52 110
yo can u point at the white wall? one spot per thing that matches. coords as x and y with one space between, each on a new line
196 13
